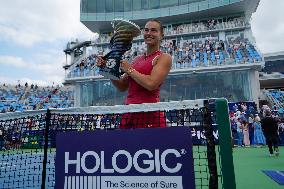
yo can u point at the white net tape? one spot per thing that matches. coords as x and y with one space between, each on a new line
147 107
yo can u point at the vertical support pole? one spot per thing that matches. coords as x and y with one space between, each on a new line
47 122
225 143
211 153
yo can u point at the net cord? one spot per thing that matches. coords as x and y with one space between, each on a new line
161 106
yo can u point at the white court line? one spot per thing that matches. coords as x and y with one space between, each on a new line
280 173
8 166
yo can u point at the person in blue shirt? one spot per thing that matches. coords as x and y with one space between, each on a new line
259 139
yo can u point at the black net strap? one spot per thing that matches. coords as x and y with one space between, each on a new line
211 153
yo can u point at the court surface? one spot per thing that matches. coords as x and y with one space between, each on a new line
249 163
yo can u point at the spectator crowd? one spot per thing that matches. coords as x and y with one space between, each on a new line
33 97
187 52
248 127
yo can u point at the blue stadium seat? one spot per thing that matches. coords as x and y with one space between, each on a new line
221 55
213 58
193 63
206 62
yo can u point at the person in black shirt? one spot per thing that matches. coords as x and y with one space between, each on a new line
270 129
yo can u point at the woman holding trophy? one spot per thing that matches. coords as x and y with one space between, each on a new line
143 77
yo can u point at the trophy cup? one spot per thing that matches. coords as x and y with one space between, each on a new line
121 41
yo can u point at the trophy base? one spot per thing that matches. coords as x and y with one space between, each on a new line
109 73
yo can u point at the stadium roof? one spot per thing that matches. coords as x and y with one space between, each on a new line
272 83
274 56
76 45
174 14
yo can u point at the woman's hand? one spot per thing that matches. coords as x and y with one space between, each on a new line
124 66
100 62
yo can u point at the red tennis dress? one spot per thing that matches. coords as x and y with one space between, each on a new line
138 95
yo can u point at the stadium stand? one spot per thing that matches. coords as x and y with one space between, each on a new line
249 113
19 98
187 51
214 42
276 98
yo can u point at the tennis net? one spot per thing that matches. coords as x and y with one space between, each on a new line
28 140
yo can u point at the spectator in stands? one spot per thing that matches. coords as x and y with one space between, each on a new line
1 138
222 45
21 98
265 108
240 132
270 129
244 107
243 116
246 133
251 128
274 107
259 138
144 77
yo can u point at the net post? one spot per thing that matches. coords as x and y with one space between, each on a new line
225 140
211 153
44 162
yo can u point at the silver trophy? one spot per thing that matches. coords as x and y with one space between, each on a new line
121 41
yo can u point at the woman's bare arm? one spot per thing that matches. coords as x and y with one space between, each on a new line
122 83
159 73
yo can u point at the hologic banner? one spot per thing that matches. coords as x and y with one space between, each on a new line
125 159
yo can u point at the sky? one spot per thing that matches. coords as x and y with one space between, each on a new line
33 34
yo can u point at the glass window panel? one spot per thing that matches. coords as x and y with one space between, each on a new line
209 85
84 7
109 5
92 6
234 85
100 6
183 2
145 4
154 4
168 3
127 5
118 5
136 5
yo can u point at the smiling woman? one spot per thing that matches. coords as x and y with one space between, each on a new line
145 75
